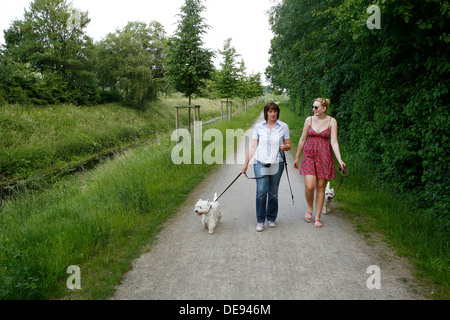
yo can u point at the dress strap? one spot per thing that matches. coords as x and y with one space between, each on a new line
329 124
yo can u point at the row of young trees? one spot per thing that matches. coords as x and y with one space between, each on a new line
388 85
48 58
189 66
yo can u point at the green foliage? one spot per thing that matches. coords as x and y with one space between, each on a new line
226 81
231 80
388 87
252 87
58 55
131 61
19 83
188 64
48 59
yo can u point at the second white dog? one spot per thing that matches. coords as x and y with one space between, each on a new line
329 195
210 213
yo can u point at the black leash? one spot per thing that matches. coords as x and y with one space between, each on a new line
344 174
227 188
343 171
287 174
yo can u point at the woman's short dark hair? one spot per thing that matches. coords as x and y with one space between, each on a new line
271 106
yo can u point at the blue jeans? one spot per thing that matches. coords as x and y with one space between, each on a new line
267 191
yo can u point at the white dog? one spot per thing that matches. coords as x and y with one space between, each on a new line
329 195
210 213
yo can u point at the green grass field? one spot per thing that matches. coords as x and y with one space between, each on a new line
99 220
37 140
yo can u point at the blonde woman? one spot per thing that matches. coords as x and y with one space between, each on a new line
318 142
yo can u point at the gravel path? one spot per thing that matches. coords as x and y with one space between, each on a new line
292 261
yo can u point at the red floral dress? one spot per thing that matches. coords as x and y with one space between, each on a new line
318 158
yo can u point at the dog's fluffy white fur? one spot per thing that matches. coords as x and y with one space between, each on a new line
210 213
329 195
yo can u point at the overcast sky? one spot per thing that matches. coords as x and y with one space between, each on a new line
245 21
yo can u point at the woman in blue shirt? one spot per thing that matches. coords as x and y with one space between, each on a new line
269 137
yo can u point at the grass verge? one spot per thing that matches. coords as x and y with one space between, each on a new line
41 140
99 221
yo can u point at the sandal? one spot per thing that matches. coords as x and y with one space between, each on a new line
308 216
317 224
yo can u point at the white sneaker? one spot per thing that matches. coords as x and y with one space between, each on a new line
260 227
271 224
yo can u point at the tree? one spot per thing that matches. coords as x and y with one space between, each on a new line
249 86
154 41
388 86
188 64
131 60
297 61
254 86
226 80
242 91
50 40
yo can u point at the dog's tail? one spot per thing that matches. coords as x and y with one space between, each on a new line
328 185
215 197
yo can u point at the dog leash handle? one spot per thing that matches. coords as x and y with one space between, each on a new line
344 172
283 155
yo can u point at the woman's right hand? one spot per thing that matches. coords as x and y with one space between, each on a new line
244 168
296 163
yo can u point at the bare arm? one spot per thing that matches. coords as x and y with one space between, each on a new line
335 144
286 146
301 142
251 151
